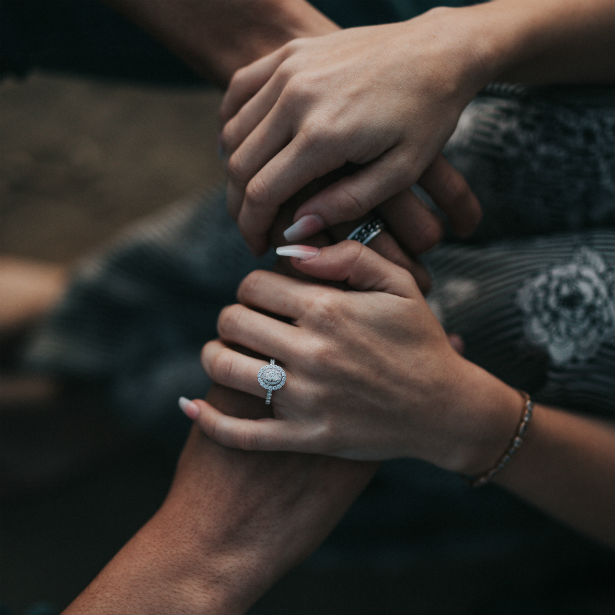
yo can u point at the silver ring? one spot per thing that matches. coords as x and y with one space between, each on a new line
367 231
272 378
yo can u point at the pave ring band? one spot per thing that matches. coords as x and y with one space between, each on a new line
272 378
367 231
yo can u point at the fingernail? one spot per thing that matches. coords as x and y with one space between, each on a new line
303 253
304 227
189 408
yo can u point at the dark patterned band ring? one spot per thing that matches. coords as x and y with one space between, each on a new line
367 231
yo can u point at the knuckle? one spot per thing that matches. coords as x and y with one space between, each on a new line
285 70
250 284
354 251
247 440
227 136
321 353
350 205
235 168
295 45
456 187
221 367
316 134
431 234
257 192
206 354
299 86
237 78
326 309
328 436
229 320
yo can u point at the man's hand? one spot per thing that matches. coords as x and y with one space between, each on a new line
383 98
232 524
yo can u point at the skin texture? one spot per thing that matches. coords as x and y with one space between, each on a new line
217 38
370 375
231 525
354 96
386 99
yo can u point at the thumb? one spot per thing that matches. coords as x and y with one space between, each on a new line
355 264
265 434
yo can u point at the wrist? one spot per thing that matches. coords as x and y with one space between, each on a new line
218 574
535 42
467 50
505 35
488 411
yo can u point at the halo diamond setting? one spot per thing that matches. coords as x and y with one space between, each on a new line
272 378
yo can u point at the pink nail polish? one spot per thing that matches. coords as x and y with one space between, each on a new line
303 253
189 408
305 227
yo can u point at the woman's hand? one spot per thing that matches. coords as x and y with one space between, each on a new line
370 375
385 98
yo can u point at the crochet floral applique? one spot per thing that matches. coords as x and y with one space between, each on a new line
568 309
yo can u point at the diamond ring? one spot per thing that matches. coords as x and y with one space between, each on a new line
365 232
272 378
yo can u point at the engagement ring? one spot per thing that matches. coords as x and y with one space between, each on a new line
272 378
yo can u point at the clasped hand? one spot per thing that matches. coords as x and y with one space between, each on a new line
370 374
383 98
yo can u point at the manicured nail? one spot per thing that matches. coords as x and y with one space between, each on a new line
303 253
189 408
304 227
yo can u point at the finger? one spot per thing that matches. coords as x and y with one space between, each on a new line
411 223
450 191
360 268
285 174
387 246
265 434
263 334
456 342
247 81
355 195
246 185
275 293
250 116
232 369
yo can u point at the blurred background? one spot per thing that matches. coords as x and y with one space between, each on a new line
79 160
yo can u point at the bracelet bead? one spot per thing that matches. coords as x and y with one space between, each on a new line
514 446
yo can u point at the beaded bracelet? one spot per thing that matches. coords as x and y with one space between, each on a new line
517 441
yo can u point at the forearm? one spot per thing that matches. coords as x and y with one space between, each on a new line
216 37
162 569
231 525
566 467
545 42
